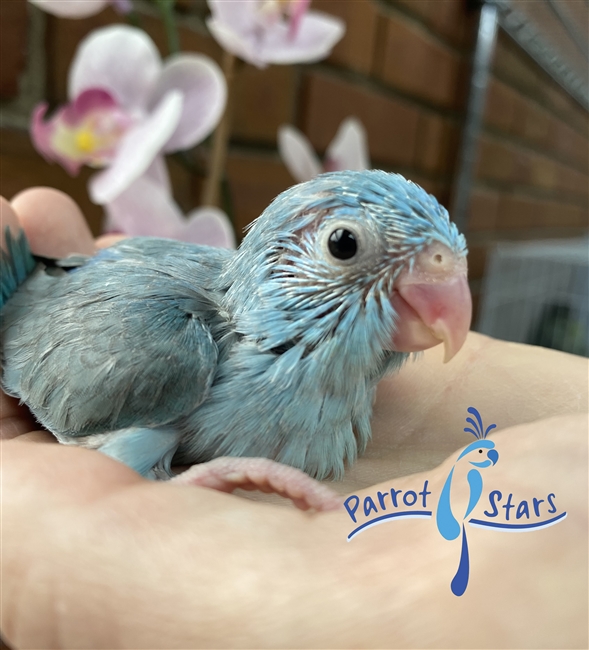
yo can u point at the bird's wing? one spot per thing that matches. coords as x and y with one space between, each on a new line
125 339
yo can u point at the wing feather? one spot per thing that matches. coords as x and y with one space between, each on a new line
122 340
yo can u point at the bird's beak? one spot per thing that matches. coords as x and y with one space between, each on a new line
493 456
433 303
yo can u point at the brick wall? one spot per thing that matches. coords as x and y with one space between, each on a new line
532 174
402 68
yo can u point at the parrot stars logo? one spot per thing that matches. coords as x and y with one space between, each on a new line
468 470
480 454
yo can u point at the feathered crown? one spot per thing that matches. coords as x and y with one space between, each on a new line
479 431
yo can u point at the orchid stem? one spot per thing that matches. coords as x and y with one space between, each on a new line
166 8
211 193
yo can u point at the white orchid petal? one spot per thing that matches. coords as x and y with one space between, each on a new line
71 8
349 149
239 15
144 209
121 59
316 36
208 226
235 42
297 154
137 150
157 172
204 91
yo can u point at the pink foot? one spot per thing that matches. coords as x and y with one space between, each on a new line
227 474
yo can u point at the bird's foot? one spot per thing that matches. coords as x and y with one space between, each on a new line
227 474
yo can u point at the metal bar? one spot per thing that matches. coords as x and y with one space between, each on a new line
529 38
577 36
483 57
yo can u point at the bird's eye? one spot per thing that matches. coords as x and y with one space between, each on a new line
480 451
342 244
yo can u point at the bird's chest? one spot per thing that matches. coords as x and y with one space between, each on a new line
290 407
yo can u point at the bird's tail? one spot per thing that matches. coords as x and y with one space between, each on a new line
16 264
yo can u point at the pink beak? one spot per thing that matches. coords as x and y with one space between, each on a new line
433 303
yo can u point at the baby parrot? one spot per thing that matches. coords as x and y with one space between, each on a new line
156 351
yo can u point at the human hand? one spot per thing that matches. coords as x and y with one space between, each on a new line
59 500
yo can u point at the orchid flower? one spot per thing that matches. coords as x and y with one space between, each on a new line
146 208
347 151
127 109
81 8
273 31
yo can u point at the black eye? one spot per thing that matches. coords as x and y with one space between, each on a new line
342 244
480 451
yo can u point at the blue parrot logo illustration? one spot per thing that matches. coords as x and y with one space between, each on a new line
446 522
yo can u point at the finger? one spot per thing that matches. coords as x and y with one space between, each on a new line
14 419
8 218
53 223
108 240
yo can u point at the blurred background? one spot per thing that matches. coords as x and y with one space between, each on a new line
505 149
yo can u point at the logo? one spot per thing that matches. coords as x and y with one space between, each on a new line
470 467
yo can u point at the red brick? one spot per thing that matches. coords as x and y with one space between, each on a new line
416 63
264 99
355 50
535 125
543 172
494 161
449 18
529 121
254 181
477 260
13 45
559 215
22 167
500 105
570 180
568 144
519 212
437 143
391 124
513 65
484 205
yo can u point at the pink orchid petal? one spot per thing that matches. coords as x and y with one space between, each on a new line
42 134
297 154
94 115
144 209
71 8
137 149
121 59
90 100
297 9
204 91
349 149
316 36
208 226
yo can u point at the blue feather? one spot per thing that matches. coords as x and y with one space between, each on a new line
273 350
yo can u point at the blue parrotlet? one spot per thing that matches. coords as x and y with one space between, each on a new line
156 351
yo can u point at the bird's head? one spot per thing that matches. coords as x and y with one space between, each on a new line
365 255
481 453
